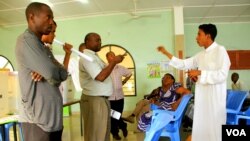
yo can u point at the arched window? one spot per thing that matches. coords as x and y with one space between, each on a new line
129 88
5 63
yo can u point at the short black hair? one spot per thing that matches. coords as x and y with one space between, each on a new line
34 8
235 74
82 44
87 36
209 29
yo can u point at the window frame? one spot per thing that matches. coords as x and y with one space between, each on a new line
8 63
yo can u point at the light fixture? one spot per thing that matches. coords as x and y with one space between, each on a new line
44 1
83 1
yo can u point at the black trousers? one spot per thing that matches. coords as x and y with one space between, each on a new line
32 132
117 105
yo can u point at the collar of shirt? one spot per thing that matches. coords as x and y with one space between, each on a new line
115 67
90 51
31 32
238 82
48 45
212 46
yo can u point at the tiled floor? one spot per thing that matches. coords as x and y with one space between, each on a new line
72 131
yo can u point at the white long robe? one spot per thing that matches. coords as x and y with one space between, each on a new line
210 91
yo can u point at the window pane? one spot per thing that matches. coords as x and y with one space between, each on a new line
5 63
129 88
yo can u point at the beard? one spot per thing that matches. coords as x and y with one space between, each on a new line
98 48
47 30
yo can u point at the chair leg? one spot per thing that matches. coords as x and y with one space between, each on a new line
153 136
175 137
1 133
7 128
20 132
248 114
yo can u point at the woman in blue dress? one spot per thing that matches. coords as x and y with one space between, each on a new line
169 94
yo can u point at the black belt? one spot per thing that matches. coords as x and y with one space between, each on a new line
106 97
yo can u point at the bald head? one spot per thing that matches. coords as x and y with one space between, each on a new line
110 56
81 47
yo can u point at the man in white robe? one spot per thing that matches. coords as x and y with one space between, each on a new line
213 65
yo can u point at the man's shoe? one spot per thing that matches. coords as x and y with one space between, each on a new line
125 132
130 119
117 137
188 129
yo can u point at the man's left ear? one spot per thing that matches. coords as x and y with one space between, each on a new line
31 17
209 36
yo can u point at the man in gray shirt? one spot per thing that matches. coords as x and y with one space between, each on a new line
42 104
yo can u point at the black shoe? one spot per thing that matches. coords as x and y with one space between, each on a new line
117 137
125 132
188 129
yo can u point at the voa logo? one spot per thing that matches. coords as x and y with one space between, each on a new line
236 132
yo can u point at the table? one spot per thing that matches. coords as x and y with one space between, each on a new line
14 118
72 102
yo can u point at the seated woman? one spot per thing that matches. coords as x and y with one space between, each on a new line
143 106
169 94
166 97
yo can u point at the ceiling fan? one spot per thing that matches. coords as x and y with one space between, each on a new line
135 14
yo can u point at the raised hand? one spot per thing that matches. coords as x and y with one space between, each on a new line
118 58
164 51
161 49
67 48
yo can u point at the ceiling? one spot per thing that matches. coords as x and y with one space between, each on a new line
194 11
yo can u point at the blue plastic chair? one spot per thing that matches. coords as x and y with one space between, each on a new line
7 127
167 123
1 132
154 107
243 115
235 101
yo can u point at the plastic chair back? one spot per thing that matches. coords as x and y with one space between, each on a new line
167 123
235 101
153 106
247 114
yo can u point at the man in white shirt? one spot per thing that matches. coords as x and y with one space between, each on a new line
213 65
117 97
96 86
236 84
